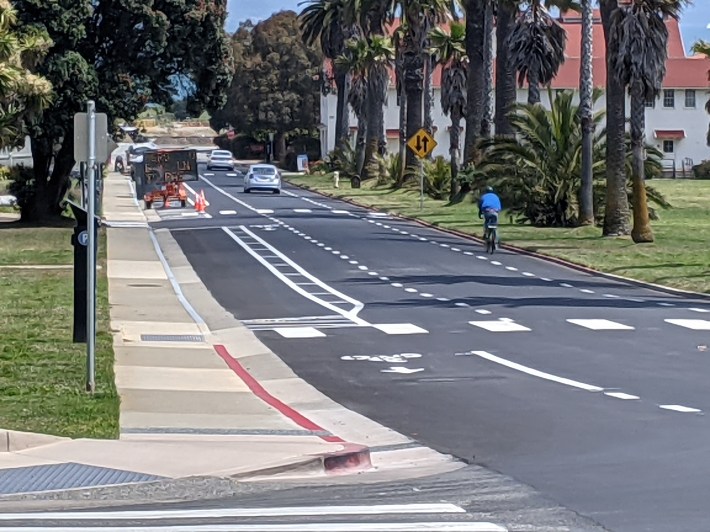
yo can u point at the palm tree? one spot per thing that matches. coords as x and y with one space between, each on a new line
616 215
475 97
353 63
401 94
325 21
505 86
639 38
418 18
586 88
703 47
450 50
23 95
376 55
537 47
488 53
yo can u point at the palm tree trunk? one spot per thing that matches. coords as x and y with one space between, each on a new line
360 144
586 88
505 91
475 21
414 77
342 125
402 132
533 89
454 151
487 122
428 93
376 94
616 214
641 231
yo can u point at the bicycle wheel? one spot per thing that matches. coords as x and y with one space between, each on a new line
492 239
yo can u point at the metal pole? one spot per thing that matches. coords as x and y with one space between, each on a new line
421 185
91 251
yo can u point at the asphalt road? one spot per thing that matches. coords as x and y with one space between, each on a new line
592 391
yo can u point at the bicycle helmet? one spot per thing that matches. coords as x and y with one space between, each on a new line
489 189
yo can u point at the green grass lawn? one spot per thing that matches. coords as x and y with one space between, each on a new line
679 258
42 373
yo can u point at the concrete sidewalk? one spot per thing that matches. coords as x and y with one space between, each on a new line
200 394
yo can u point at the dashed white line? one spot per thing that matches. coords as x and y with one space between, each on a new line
483 311
302 211
481 257
666 304
511 268
455 249
496 263
228 213
374 274
696 325
443 299
680 408
467 253
445 245
363 268
423 239
699 310
528 274
546 279
461 304
537 373
383 278
611 296
623 396
426 295
566 285
397 285
411 290
586 291
353 262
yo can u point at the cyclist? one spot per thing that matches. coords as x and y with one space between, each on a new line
489 205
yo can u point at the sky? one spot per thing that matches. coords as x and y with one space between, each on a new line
694 22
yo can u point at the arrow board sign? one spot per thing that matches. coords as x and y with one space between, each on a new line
422 143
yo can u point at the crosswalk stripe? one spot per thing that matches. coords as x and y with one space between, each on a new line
601 325
214 513
291 527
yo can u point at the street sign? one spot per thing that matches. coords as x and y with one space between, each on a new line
83 238
422 143
81 137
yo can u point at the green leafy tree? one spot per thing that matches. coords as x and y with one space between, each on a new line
703 47
23 94
276 83
122 55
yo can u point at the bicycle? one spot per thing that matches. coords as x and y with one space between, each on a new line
490 236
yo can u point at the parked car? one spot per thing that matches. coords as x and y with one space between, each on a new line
263 177
221 159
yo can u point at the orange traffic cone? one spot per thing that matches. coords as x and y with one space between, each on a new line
204 200
199 203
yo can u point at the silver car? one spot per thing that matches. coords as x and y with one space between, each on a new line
221 159
263 177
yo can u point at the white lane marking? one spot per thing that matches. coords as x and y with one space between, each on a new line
288 193
339 211
482 311
209 174
443 299
612 296
679 408
623 396
634 300
528 274
363 268
264 211
537 373
296 511
455 249
302 211
383 278
353 262
467 253
496 263
546 279
351 315
696 325
400 328
445 245
441 526
335 252
344 257
386 227
566 285
321 244
601 325
460 304
499 326
411 290
401 369
426 295
404 232
378 214
666 304
586 291
190 214
511 268
328 248
397 285
231 174
699 310
374 274
423 239
299 332
481 257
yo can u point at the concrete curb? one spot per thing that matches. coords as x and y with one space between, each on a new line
14 440
522 251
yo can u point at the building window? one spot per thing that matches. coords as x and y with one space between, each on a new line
651 103
668 146
690 98
669 98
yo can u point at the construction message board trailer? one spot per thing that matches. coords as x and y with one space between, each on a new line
159 176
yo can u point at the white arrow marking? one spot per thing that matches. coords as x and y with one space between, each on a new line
395 369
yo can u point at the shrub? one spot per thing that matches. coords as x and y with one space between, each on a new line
22 185
344 160
437 178
702 170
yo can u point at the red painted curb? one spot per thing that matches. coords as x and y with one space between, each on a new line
522 251
258 390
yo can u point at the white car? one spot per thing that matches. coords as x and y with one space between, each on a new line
221 159
135 152
263 177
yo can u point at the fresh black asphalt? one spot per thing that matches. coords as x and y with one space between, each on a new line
626 464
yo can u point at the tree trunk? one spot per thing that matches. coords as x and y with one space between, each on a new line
280 148
533 89
342 115
375 123
414 78
429 67
402 134
475 22
360 142
37 209
641 232
487 121
616 214
506 90
586 88
454 150
59 180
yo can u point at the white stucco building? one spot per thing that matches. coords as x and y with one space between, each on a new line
676 122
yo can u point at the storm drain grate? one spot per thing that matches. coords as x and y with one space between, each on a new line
65 476
172 338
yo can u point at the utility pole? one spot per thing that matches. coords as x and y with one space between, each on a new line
91 250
